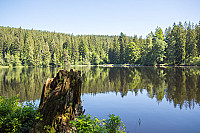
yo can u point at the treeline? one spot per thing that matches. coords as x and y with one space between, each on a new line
179 45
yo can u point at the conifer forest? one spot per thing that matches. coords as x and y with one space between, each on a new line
177 45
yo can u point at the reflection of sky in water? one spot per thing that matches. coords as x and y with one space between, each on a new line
153 116
36 102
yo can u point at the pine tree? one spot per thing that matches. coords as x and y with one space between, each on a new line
30 60
111 55
75 50
54 60
123 44
190 46
45 55
37 53
146 48
82 48
116 51
180 38
103 57
170 49
197 28
28 52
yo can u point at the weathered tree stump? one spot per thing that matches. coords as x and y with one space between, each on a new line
60 102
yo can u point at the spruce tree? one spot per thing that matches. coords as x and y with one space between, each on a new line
180 39
197 28
123 44
170 48
190 46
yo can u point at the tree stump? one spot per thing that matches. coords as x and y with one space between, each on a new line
60 102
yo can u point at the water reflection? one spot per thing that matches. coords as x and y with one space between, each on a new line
180 86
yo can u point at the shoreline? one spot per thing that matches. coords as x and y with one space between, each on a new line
108 65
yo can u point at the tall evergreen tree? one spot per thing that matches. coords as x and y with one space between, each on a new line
75 50
116 51
123 45
197 28
146 48
46 56
66 57
190 46
82 48
180 38
170 49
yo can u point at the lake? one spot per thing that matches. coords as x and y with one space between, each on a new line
147 99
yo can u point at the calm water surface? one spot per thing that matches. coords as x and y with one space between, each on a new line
147 99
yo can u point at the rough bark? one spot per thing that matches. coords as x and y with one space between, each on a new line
60 102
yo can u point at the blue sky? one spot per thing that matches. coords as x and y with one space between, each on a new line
105 17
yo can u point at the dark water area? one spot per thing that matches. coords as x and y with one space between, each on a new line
147 99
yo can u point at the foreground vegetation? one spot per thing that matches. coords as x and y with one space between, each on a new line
179 45
16 117
85 124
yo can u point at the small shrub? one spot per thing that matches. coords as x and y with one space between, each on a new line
85 124
15 117
114 124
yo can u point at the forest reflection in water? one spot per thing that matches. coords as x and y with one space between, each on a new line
179 85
